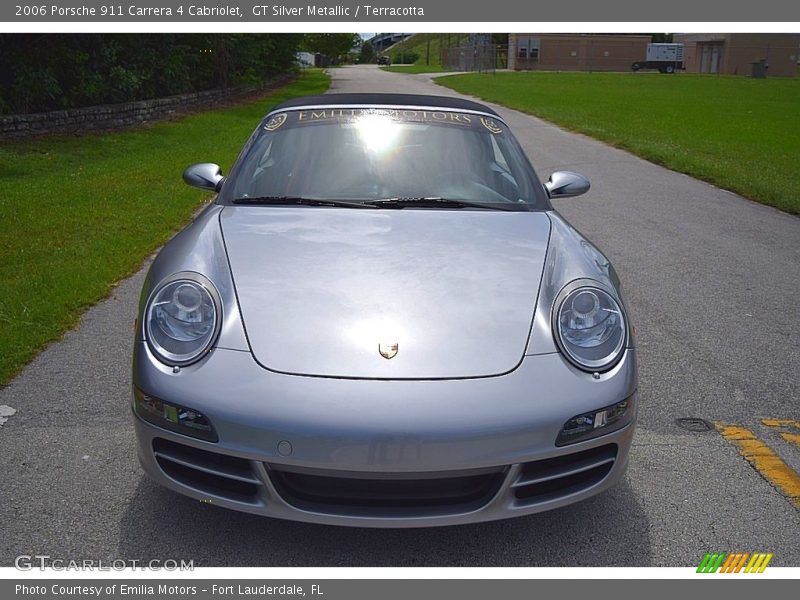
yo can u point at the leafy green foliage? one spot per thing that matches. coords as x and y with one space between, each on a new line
413 69
736 132
78 214
41 72
367 54
332 45
405 57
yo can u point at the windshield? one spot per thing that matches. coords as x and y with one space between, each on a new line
361 154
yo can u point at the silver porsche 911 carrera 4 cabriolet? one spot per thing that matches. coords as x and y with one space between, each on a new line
380 321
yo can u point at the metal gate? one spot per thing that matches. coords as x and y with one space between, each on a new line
481 58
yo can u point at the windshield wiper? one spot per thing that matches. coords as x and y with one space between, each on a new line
297 200
434 202
399 202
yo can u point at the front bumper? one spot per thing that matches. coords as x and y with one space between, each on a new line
332 451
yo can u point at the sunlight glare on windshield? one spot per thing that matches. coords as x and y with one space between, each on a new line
377 131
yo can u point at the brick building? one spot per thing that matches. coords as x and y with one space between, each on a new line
575 52
734 53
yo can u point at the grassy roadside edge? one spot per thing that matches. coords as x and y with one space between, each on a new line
626 145
21 351
414 69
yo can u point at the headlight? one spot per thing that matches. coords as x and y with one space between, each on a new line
590 328
182 319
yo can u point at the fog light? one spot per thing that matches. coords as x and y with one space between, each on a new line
594 424
173 417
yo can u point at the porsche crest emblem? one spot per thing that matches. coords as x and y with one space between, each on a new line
388 350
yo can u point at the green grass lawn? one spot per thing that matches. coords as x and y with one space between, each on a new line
738 133
416 68
77 214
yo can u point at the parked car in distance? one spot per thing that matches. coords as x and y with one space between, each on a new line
384 61
381 321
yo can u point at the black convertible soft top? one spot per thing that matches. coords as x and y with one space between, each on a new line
386 100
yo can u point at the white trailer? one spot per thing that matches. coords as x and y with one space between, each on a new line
304 59
667 58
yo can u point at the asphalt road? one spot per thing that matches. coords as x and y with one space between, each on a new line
713 283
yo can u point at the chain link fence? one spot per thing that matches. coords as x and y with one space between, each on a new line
480 58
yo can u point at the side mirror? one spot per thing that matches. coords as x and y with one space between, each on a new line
206 176
564 184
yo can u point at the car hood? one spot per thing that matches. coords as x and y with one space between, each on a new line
321 289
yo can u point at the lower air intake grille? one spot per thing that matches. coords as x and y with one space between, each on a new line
396 495
208 472
553 478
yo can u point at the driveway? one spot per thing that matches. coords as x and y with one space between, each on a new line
712 282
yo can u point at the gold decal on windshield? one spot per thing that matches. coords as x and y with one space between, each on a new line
407 115
275 122
491 125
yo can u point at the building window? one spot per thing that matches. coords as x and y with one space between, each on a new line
529 49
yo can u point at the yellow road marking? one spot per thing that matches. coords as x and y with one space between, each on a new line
780 423
763 459
792 438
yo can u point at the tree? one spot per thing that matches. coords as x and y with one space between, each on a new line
41 72
367 53
332 45
662 37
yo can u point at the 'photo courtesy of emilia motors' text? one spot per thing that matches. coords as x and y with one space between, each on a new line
363 299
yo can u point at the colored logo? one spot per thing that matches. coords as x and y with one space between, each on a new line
740 562
388 350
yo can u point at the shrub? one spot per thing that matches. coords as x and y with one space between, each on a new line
41 72
405 58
